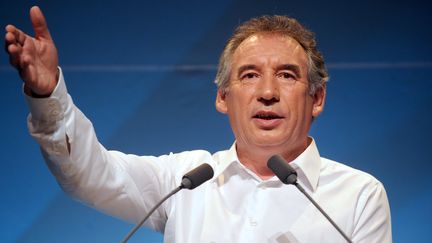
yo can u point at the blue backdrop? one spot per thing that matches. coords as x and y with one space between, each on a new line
143 72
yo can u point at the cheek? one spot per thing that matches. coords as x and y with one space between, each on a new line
234 109
307 111
300 108
241 97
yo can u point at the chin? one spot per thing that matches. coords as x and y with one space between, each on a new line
269 143
271 137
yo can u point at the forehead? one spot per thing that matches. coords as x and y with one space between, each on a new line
267 48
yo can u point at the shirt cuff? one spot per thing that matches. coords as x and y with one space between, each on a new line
52 108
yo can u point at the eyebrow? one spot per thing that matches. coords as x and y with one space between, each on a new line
292 67
246 67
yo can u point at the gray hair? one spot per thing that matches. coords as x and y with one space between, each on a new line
276 24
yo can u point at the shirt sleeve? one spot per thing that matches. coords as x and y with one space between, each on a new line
373 220
106 180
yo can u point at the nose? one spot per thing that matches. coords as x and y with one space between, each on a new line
268 90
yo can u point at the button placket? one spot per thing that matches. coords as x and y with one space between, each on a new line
252 209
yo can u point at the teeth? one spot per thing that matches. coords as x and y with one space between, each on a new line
266 117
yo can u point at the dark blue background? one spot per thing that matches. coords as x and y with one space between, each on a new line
124 63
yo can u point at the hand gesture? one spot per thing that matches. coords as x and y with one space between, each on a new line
35 58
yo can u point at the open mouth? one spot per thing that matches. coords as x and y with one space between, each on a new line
267 120
267 116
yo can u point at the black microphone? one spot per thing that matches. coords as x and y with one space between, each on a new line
288 176
190 180
197 176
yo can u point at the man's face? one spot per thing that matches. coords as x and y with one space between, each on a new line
267 100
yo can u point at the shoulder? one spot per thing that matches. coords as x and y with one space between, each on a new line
358 189
364 198
331 167
346 176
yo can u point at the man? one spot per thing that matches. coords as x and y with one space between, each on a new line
271 84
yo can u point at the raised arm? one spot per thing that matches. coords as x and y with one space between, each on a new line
35 58
123 185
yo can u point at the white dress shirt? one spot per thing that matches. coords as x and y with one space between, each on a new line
234 206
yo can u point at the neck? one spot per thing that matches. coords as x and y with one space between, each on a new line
256 158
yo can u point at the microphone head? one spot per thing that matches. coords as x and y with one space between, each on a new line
282 169
197 176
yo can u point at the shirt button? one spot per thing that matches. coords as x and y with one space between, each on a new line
51 103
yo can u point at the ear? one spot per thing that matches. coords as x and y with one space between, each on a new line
220 103
318 101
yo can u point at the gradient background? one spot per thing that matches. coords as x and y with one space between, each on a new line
143 72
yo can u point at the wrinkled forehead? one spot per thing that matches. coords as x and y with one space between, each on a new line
269 47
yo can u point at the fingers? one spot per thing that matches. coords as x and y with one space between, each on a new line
39 24
20 36
13 48
14 35
9 40
14 55
14 41
19 58
19 52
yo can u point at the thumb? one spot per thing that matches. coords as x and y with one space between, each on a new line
39 24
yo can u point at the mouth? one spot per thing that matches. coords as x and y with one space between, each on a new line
267 120
267 115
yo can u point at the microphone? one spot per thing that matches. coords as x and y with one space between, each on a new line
190 180
197 176
288 176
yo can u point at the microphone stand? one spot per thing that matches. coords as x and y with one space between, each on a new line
302 190
150 213
190 180
288 176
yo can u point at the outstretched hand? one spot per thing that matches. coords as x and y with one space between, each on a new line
35 58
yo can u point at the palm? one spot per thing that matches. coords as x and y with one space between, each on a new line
42 68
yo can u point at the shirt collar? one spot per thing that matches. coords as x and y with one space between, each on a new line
224 159
307 164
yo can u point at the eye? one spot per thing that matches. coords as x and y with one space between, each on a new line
249 76
286 75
